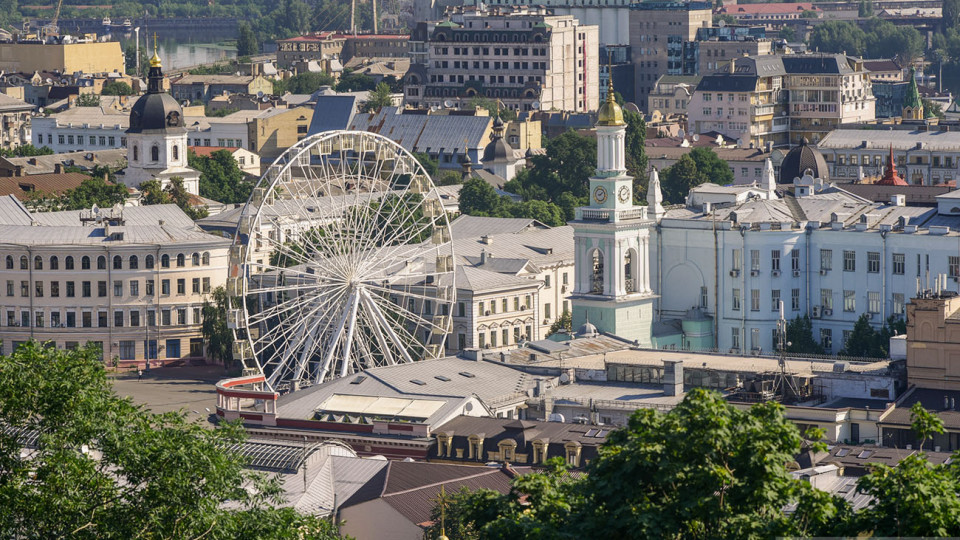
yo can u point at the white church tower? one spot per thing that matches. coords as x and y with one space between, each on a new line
157 138
612 243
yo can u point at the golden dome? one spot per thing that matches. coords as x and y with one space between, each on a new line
155 59
610 113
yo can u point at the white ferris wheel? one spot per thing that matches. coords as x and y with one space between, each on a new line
342 261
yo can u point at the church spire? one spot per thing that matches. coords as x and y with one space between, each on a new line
155 76
769 180
655 209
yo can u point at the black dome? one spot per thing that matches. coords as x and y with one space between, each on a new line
801 158
156 111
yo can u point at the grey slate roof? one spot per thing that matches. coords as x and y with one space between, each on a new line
475 226
426 133
332 112
882 139
85 160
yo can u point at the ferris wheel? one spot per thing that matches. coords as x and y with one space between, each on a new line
342 261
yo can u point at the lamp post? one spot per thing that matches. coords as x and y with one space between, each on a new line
137 41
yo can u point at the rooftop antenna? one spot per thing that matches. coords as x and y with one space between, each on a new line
782 383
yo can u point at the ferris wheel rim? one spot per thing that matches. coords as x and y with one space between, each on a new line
364 302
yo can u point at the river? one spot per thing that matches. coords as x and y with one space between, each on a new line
181 50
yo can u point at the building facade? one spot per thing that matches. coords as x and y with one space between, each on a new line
922 157
526 59
132 280
206 87
91 57
15 127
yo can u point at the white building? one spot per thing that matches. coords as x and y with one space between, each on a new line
82 129
923 157
131 279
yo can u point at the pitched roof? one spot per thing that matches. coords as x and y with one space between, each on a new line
206 151
89 159
466 226
214 79
21 186
426 133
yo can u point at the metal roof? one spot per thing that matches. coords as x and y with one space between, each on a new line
427 133
882 139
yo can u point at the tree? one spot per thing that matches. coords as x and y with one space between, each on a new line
303 83
542 211
493 107
932 108
569 162
88 100
355 82
221 178
116 88
562 324
788 34
103 467
725 18
808 14
179 196
246 40
838 36
153 193
861 340
950 15
380 97
93 191
26 150
636 154
865 9
677 180
478 198
429 164
216 334
800 336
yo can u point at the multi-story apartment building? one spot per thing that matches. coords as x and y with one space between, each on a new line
671 94
132 280
772 15
309 47
523 57
782 99
15 128
922 157
82 129
662 36
719 44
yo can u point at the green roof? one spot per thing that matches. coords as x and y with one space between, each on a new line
448 24
912 97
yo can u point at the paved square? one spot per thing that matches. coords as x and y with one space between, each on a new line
190 388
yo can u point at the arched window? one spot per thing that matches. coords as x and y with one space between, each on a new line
206 258
195 259
149 262
155 153
117 262
629 268
9 262
68 263
596 276
136 153
176 152
164 261
24 263
101 263
38 263
85 263
181 260
54 263
134 262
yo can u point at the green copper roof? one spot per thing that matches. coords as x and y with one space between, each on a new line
912 98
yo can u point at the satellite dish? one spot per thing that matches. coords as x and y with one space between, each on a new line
721 23
185 103
535 105
260 93
681 133
696 137
564 378
41 109
739 143
95 210
448 104
49 80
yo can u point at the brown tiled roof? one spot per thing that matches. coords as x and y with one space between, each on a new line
207 150
21 186
407 475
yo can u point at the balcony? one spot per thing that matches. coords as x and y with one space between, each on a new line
612 215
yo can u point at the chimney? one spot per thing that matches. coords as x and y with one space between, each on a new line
673 377
58 168
483 256
898 199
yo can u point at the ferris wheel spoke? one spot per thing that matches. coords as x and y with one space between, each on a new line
369 315
406 293
334 342
390 330
300 341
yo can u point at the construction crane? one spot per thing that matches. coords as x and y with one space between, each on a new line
51 28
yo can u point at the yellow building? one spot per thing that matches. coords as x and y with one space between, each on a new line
94 57
275 130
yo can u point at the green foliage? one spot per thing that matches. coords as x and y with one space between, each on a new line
493 107
116 88
878 39
932 108
808 14
219 113
636 155
93 191
788 34
174 193
563 324
26 150
221 178
725 18
561 176
429 164
303 83
130 61
478 198
865 9
699 166
800 336
867 342
379 98
210 69
456 523
448 178
104 467
355 82
216 335
88 100
924 424
950 15
246 40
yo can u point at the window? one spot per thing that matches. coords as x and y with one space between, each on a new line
38 263
775 300
181 316
71 289
24 288
754 259
118 288
953 263
85 263
101 263
899 263
195 259
826 259
10 287
196 286
826 298
737 259
736 300
134 288
206 258
704 297
165 317
102 319
503 304
176 152
795 259
128 350
849 261
165 287
873 262
39 319
71 319
24 263
148 287
849 300
754 299
118 319
38 288
85 289
101 288
68 263
54 263
546 281
795 299
898 303
149 262
55 319
155 153
134 262
87 319
151 317
546 311
181 260
164 261
9 262
117 262
55 289
775 259
735 338
826 339
873 302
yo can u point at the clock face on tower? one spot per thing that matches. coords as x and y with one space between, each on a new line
623 194
600 194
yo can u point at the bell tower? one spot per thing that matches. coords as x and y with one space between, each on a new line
612 242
